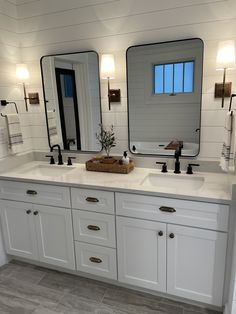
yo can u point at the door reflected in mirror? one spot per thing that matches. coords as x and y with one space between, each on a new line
72 100
164 97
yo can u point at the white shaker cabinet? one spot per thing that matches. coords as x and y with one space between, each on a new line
38 232
162 244
182 261
187 259
196 263
54 235
141 248
17 223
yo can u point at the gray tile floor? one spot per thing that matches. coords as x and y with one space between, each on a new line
28 289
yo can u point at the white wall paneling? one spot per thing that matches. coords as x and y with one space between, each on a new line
33 28
41 27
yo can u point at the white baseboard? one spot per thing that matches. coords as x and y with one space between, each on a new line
4 260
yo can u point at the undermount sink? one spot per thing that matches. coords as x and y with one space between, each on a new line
178 181
47 170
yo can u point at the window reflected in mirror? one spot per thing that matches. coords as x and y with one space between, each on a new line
164 97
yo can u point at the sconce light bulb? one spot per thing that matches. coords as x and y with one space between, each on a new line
107 66
22 72
226 55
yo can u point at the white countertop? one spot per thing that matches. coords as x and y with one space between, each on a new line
216 187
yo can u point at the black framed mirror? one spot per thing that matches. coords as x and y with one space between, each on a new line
71 90
164 84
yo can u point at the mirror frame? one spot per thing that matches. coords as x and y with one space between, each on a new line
45 101
128 104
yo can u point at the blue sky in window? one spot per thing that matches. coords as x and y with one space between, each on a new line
174 78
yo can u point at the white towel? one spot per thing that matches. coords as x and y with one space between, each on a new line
228 143
14 131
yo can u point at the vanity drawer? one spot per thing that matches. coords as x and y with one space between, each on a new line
96 260
35 193
190 213
94 200
94 228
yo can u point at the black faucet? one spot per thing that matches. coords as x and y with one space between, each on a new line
178 152
60 160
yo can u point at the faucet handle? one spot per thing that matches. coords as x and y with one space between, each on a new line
52 161
69 161
190 169
164 166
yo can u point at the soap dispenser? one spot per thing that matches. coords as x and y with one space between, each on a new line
125 158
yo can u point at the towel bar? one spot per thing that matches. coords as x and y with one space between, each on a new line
4 103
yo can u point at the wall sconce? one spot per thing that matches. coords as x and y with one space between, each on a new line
225 60
22 74
108 72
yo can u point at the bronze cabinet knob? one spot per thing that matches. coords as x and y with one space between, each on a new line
171 235
160 233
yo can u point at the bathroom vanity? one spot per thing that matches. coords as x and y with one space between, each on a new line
125 228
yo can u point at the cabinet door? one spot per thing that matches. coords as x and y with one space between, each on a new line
18 229
142 253
196 263
54 234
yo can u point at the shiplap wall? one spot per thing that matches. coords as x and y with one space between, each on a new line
110 26
9 87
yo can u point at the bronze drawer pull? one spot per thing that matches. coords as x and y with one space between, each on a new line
94 228
31 192
95 260
167 209
92 199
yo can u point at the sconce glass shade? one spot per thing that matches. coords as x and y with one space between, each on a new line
107 66
225 55
22 72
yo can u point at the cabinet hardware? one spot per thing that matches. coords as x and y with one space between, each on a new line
92 199
160 233
36 213
28 212
167 209
94 228
95 260
172 235
31 192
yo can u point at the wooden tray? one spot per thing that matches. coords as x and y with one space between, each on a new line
174 145
116 167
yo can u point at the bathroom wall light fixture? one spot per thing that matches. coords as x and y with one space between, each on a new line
108 72
225 60
22 75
